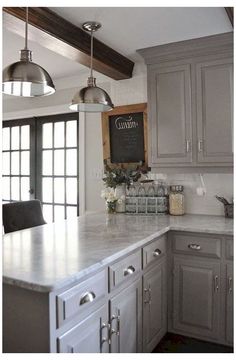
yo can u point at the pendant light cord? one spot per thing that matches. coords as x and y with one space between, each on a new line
26 28
91 57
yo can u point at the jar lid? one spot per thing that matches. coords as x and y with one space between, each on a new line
178 188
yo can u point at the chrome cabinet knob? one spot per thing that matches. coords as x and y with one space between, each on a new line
130 270
156 252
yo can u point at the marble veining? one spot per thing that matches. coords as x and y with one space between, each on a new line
51 256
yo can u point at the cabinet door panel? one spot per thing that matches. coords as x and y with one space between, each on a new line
154 306
229 305
87 336
127 305
196 297
215 111
170 108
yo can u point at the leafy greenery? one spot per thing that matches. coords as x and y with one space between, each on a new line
117 176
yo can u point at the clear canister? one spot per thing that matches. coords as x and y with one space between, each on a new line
176 200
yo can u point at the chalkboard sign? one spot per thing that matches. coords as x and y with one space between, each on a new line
124 135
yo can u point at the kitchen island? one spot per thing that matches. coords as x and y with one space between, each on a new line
41 265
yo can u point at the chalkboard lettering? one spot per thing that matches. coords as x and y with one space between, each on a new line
127 138
125 123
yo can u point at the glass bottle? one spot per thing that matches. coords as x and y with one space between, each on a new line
141 202
176 200
151 202
131 199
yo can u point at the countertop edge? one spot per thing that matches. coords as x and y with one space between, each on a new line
71 280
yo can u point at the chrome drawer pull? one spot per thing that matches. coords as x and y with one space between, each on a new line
216 283
194 247
87 297
117 331
105 339
156 252
230 281
130 270
149 295
200 146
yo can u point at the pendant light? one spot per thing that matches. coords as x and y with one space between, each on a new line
91 98
25 78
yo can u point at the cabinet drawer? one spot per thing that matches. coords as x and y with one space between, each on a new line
124 269
229 249
154 251
197 244
81 297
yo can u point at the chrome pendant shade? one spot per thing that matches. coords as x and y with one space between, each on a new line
25 78
91 98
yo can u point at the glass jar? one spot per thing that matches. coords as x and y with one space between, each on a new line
176 200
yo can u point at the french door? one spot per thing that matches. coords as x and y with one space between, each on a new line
40 160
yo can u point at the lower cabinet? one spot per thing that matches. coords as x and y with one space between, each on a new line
154 306
196 297
229 304
89 336
126 319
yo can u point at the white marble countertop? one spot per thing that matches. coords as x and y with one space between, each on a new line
51 256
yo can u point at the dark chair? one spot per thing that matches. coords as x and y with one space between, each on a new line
22 215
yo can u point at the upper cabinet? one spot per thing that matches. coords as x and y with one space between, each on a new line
190 104
170 106
215 111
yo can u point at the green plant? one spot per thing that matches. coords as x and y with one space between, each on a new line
117 176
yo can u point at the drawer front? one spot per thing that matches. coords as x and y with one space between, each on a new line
154 251
197 244
81 297
124 269
229 250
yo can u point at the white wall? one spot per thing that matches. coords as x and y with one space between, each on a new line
123 92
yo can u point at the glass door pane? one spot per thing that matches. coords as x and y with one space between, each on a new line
17 153
59 170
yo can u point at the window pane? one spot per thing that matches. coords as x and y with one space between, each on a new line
71 212
47 190
59 134
71 133
59 213
47 135
6 188
71 162
15 163
71 191
47 213
15 137
6 163
25 187
59 191
6 138
15 189
25 130
59 162
25 163
47 162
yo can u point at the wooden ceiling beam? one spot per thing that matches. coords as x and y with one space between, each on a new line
59 35
230 13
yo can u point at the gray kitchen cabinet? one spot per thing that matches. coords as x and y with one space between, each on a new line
214 80
229 304
190 104
126 319
89 336
154 306
196 297
170 114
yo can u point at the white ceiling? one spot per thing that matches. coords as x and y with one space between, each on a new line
125 30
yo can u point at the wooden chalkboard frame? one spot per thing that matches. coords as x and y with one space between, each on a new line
118 110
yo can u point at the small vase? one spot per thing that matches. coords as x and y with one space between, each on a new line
111 207
120 191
